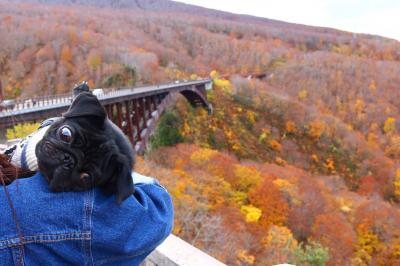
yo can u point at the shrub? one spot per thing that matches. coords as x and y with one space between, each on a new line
21 130
310 254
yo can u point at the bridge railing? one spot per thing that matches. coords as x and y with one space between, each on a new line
38 101
42 101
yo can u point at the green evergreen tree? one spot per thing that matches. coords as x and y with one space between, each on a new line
167 132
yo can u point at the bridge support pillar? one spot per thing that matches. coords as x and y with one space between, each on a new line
119 115
136 105
143 109
109 109
129 122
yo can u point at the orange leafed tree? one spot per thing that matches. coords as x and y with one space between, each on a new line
66 54
268 198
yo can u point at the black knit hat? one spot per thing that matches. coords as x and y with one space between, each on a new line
86 104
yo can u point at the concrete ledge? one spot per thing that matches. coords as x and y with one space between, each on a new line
176 252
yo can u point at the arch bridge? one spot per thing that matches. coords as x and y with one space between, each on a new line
135 110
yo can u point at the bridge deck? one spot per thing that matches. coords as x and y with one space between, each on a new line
108 97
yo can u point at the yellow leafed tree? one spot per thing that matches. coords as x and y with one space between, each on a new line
251 213
246 177
389 125
397 184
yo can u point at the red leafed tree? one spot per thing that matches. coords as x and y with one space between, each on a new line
332 230
367 186
312 203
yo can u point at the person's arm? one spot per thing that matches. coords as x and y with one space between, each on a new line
128 233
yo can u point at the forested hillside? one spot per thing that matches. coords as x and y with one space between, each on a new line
299 166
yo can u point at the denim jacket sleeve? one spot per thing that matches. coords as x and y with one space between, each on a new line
82 228
136 228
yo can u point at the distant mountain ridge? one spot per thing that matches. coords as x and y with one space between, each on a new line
173 6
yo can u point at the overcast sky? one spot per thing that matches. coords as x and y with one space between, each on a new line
380 17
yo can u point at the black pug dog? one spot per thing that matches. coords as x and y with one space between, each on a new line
84 149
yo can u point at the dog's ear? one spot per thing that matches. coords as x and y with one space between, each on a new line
79 88
120 183
86 104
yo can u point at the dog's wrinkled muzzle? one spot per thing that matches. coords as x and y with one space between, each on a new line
54 158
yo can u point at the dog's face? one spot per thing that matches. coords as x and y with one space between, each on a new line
83 149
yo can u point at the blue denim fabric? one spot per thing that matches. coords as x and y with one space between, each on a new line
83 228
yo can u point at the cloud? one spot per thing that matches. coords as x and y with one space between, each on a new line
361 16
382 22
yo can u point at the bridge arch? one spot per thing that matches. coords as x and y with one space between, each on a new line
196 98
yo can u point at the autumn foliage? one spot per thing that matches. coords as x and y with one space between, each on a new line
265 221
300 160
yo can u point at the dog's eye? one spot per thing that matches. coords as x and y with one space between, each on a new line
65 134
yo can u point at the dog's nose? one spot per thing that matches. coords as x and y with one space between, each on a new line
68 161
